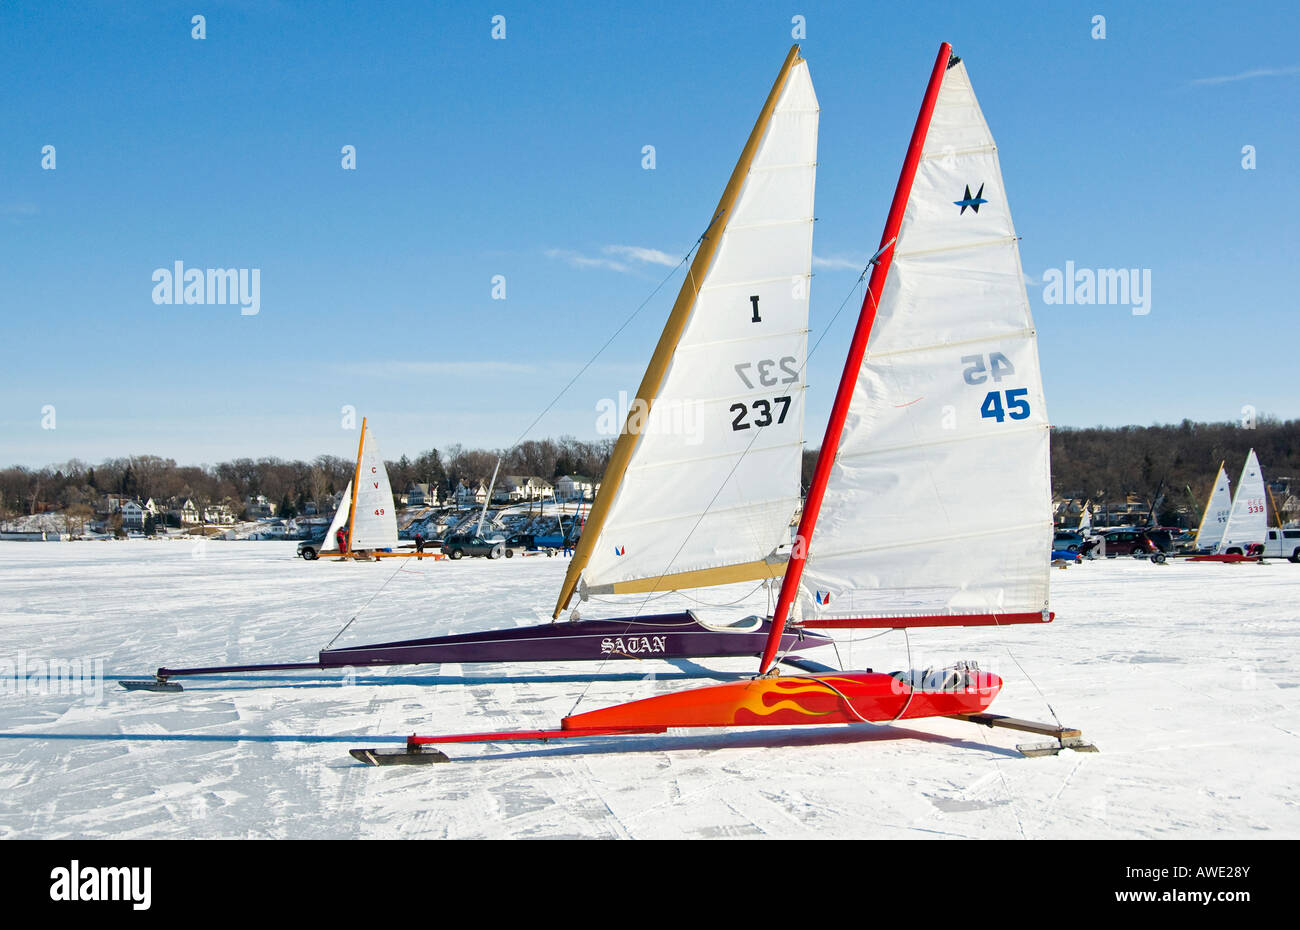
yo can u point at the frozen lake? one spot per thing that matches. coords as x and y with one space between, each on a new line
1187 677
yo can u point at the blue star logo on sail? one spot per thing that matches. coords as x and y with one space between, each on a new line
972 202
823 598
619 550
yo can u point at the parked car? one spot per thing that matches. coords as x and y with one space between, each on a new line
1166 540
1129 542
309 549
1067 540
463 544
530 542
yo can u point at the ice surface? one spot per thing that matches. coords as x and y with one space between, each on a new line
1185 676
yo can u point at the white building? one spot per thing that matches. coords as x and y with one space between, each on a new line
574 488
468 495
421 495
522 488
132 515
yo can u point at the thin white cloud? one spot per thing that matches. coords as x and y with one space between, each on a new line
832 264
19 209
621 258
638 254
1249 75
415 369
578 260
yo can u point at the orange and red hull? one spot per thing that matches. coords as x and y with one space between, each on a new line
838 697
833 697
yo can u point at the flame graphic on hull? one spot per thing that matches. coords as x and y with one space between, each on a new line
777 695
840 698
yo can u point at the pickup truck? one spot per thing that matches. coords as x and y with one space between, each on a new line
1283 543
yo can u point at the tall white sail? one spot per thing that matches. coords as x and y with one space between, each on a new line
340 521
709 490
1216 513
1085 518
1248 520
939 503
374 524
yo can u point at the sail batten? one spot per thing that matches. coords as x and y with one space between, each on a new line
929 347
731 363
674 463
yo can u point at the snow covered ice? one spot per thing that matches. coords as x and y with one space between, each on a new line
1185 676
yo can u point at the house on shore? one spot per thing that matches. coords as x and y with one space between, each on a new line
574 488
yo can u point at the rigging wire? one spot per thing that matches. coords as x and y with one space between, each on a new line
624 325
564 390
640 607
365 605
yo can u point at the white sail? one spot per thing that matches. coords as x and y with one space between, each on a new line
1085 518
1216 513
1248 521
715 475
374 525
939 503
331 542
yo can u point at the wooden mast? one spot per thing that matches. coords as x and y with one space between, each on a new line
356 483
853 364
663 354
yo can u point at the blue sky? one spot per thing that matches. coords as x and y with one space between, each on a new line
522 157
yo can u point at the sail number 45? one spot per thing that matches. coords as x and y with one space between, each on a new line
1017 407
979 369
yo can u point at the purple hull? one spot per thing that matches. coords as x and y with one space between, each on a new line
662 636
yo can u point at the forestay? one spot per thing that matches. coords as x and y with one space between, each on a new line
1248 521
939 503
710 488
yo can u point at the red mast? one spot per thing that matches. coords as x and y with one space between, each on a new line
857 350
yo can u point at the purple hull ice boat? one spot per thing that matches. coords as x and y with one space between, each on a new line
660 636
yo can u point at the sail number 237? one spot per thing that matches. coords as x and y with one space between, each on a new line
766 372
979 369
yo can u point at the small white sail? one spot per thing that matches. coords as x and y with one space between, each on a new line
1248 521
1085 518
331 543
1216 513
715 476
374 525
939 503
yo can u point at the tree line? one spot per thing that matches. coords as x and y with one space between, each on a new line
77 486
1104 464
